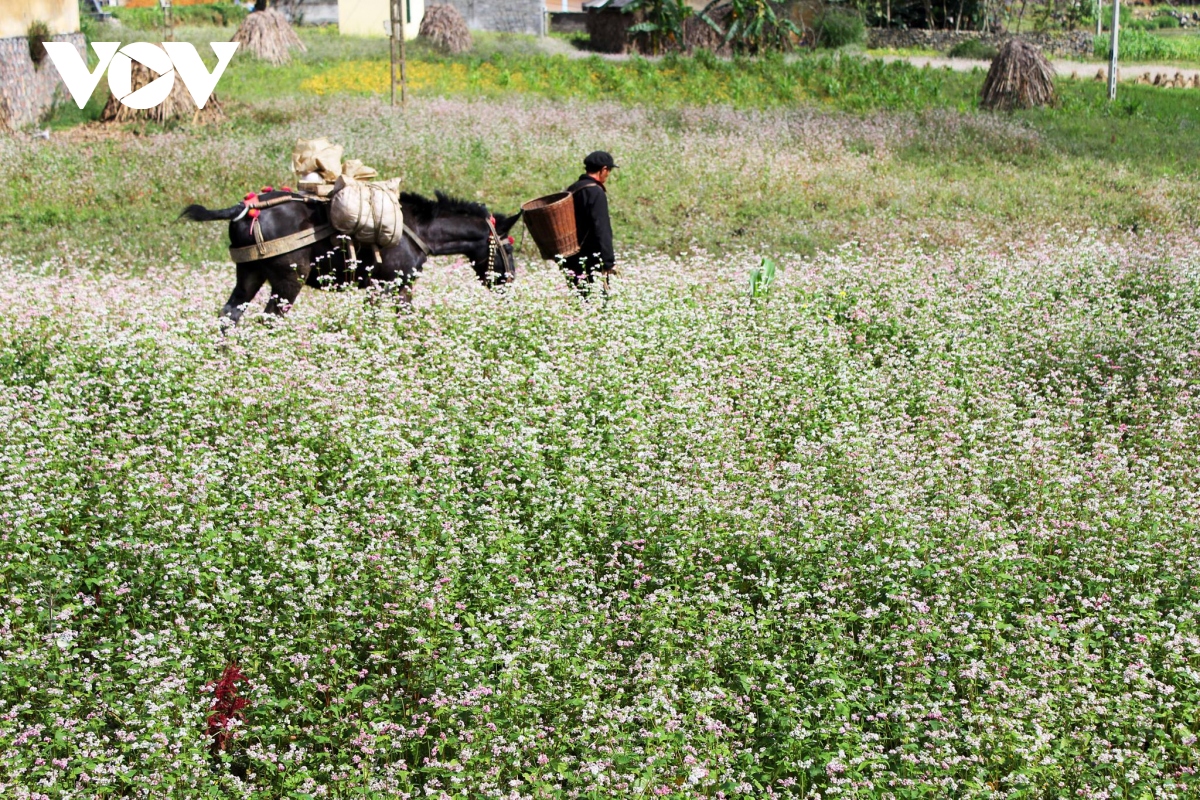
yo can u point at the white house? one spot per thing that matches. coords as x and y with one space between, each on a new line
373 17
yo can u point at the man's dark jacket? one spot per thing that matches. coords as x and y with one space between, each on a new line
592 226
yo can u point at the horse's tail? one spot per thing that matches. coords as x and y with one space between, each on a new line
198 213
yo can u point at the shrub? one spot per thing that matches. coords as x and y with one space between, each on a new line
38 35
974 48
89 27
1127 20
838 27
1165 21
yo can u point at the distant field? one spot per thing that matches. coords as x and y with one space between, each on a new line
799 155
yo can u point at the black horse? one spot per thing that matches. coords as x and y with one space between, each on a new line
442 226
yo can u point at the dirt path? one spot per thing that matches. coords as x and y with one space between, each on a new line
1067 69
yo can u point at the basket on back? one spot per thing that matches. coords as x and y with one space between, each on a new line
551 223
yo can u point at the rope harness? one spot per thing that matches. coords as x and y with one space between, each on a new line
277 247
262 248
494 246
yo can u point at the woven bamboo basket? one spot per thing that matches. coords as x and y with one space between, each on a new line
551 223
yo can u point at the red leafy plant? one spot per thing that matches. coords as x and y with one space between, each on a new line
226 708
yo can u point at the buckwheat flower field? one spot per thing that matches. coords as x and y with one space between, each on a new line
913 523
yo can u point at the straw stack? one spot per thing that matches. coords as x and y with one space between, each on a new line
1020 77
446 29
178 105
269 36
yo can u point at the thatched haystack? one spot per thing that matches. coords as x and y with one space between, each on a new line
446 29
1020 77
178 105
269 36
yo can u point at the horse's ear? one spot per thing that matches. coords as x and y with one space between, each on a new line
505 224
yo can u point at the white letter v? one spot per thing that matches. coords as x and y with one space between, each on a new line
195 75
80 83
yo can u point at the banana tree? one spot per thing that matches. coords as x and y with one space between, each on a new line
661 27
752 26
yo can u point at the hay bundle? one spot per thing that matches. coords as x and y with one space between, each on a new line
178 105
268 35
1020 77
445 27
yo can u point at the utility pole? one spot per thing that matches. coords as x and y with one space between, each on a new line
407 20
168 21
1112 58
398 9
1099 13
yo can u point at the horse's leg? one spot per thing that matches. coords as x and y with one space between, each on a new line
394 277
249 280
286 283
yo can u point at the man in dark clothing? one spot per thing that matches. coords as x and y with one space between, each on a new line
592 224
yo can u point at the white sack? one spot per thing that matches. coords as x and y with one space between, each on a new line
368 212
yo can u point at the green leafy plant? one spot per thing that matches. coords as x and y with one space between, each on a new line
89 27
38 35
762 277
1161 22
838 26
1137 45
661 27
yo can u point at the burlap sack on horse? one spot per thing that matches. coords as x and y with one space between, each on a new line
317 159
368 212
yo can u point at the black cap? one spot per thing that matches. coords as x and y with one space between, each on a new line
598 160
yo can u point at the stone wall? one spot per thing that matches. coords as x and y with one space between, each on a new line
506 16
1076 43
1073 43
27 91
